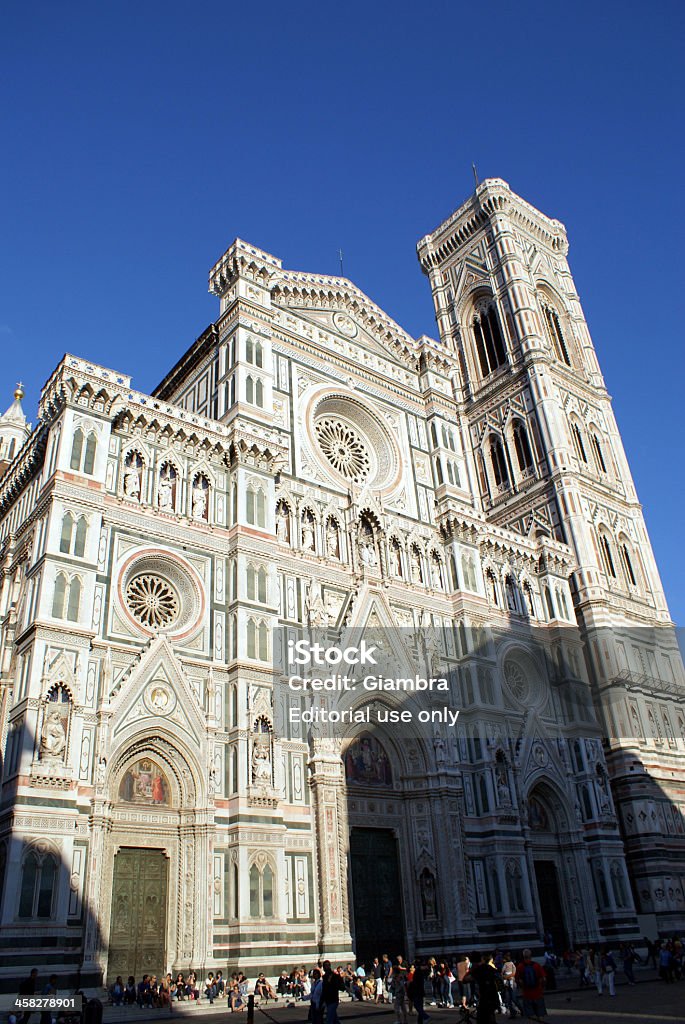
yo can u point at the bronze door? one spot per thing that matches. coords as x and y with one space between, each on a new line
137 936
376 893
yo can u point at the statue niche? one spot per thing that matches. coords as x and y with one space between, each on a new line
55 729
261 761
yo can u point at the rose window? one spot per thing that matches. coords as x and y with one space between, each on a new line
344 448
152 600
516 681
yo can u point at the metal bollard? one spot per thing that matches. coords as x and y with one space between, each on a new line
250 1009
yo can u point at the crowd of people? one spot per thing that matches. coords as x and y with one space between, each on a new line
477 985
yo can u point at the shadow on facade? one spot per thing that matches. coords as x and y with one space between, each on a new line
507 825
46 921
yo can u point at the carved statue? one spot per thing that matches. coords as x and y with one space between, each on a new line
416 571
132 482
307 533
54 737
199 501
436 576
283 523
165 491
261 760
367 547
503 791
428 895
332 539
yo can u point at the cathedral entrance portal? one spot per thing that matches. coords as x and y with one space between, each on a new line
376 893
137 936
550 902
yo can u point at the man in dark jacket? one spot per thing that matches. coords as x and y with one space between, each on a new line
488 981
331 987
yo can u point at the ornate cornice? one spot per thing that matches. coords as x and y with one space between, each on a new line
492 197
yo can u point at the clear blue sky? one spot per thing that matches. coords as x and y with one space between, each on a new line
138 139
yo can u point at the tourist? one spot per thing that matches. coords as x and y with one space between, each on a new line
530 978
130 991
486 977
510 992
416 990
607 967
210 988
263 988
398 989
235 999
116 992
332 985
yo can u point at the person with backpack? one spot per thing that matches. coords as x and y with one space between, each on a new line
530 978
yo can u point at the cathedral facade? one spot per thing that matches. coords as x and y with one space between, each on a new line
307 465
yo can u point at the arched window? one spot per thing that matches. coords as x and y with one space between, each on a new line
234 769
468 570
499 463
73 542
579 442
628 564
524 456
514 881
259 394
577 756
67 528
483 794
80 538
618 885
89 455
608 555
585 803
599 454
602 891
76 449
495 889
255 506
261 891
556 335
562 603
74 600
236 891
37 890
549 603
254 891
249 390
59 596
263 642
490 346
251 639
234 705
261 585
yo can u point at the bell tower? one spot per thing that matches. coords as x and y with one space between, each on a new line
549 459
